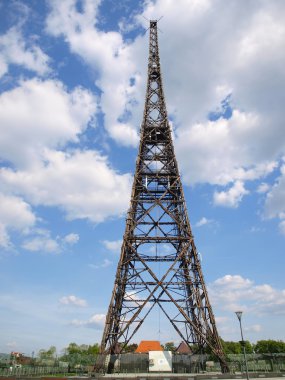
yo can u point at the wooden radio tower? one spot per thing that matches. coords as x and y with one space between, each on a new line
159 265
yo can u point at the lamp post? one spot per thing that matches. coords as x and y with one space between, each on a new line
239 314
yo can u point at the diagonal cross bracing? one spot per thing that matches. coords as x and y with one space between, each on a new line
158 231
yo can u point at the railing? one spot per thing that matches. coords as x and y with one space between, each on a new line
139 363
184 363
35 371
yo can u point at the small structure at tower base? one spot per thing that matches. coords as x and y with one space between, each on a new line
149 345
158 360
183 349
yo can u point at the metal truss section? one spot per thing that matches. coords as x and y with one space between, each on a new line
158 235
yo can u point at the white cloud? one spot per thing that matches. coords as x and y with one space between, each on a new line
71 238
108 54
47 117
275 200
220 51
105 264
135 299
15 214
233 55
203 221
253 328
232 197
263 188
241 55
266 33
95 193
113 245
233 292
4 237
233 281
97 321
41 244
19 51
220 152
221 320
73 300
40 240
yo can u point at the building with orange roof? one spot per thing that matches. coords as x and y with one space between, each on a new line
149 345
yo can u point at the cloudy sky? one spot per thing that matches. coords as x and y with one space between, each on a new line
73 80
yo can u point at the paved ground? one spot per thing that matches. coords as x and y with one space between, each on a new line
192 376
158 376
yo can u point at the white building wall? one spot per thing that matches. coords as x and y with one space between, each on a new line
160 361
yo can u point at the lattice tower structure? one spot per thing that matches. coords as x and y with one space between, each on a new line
159 264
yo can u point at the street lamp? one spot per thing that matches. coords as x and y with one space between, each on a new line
239 314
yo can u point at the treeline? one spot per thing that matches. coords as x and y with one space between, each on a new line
75 355
260 347
74 350
269 346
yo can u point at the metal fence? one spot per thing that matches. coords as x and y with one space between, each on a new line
184 363
139 363
258 362
31 371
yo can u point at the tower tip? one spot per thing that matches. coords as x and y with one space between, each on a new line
153 23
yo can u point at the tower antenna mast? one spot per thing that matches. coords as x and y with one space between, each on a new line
159 265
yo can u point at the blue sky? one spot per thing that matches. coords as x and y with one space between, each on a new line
73 78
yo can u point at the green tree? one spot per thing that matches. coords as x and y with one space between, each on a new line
131 347
231 347
236 347
93 350
78 355
47 354
169 346
248 347
269 346
73 348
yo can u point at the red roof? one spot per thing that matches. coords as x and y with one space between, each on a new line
183 348
149 345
